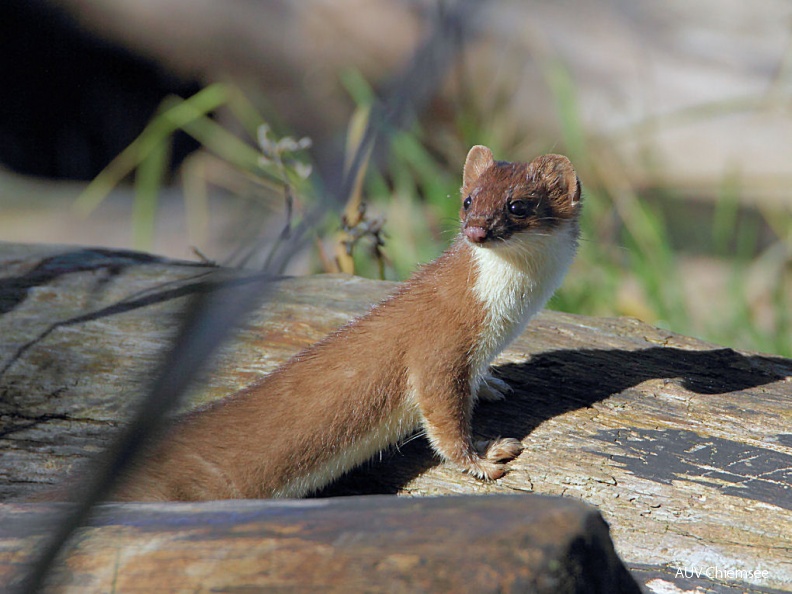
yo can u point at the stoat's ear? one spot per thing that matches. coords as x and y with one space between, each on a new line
556 174
479 159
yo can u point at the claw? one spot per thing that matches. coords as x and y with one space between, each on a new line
493 389
493 456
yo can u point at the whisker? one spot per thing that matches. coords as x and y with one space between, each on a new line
413 437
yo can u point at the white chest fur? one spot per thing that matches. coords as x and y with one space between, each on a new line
515 280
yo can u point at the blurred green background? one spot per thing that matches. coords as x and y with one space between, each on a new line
678 123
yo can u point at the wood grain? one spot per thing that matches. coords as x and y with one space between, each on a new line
685 447
355 544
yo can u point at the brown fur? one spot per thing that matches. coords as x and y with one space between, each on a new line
410 359
543 186
319 402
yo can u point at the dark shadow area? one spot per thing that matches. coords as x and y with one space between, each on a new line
731 467
551 384
70 101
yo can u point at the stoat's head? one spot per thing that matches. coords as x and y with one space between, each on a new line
501 200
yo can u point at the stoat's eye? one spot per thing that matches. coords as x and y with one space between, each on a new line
519 208
466 204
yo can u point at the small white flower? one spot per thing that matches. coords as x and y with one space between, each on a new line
303 170
263 139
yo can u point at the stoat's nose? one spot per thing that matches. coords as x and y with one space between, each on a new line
476 234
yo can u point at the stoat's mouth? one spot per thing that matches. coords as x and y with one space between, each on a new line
484 238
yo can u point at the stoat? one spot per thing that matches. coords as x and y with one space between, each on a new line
419 359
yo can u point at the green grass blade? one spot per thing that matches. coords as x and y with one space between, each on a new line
148 182
176 113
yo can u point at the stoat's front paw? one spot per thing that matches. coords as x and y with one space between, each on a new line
494 454
493 389
502 449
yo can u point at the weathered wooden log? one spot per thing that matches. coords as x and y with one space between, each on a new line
685 447
351 544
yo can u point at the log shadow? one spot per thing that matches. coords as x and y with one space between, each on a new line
109 265
553 383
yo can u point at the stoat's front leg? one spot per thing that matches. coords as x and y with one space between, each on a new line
446 410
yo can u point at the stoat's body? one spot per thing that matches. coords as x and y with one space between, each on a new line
416 360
